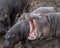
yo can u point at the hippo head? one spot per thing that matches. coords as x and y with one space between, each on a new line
11 39
42 24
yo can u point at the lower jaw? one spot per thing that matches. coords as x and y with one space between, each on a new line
30 38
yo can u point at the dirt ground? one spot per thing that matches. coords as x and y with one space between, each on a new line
35 4
36 44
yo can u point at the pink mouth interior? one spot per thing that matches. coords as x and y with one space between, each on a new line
32 34
32 27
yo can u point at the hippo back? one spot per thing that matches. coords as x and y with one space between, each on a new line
44 10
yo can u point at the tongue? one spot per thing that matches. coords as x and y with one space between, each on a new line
33 33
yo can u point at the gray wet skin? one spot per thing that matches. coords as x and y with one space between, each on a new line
19 32
51 28
44 10
49 25
10 38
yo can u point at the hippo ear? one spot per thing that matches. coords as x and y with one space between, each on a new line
28 16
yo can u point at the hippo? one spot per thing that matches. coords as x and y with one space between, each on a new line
48 26
24 31
8 12
42 27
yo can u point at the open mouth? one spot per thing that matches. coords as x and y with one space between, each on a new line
32 33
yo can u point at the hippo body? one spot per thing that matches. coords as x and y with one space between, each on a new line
54 19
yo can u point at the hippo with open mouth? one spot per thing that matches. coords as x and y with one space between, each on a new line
48 25
24 31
